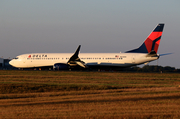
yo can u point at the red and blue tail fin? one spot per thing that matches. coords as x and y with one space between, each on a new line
152 42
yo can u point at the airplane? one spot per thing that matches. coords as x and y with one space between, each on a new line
146 53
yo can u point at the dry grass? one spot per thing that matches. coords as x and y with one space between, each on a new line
51 94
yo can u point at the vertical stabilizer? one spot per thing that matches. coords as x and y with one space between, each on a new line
152 41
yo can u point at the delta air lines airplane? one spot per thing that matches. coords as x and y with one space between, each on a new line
146 53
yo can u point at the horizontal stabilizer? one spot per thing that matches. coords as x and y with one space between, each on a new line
165 54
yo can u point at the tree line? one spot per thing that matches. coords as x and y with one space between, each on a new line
153 68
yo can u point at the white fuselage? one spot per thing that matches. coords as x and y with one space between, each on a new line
147 52
90 59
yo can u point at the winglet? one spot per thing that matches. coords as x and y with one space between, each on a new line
75 59
77 51
75 56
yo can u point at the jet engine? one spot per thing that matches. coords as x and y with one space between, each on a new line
61 66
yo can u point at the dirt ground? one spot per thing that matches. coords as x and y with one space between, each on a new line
53 94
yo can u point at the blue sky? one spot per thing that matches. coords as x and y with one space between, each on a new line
28 26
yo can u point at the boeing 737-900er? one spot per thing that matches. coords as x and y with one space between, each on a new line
146 53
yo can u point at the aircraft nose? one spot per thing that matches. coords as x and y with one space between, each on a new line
11 63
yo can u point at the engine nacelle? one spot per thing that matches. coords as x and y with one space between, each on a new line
61 66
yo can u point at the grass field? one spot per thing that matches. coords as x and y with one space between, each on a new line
60 94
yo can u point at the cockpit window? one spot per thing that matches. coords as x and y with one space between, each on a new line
16 58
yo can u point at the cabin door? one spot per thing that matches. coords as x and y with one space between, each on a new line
133 59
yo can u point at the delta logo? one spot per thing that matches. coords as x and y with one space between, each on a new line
37 56
116 56
29 56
